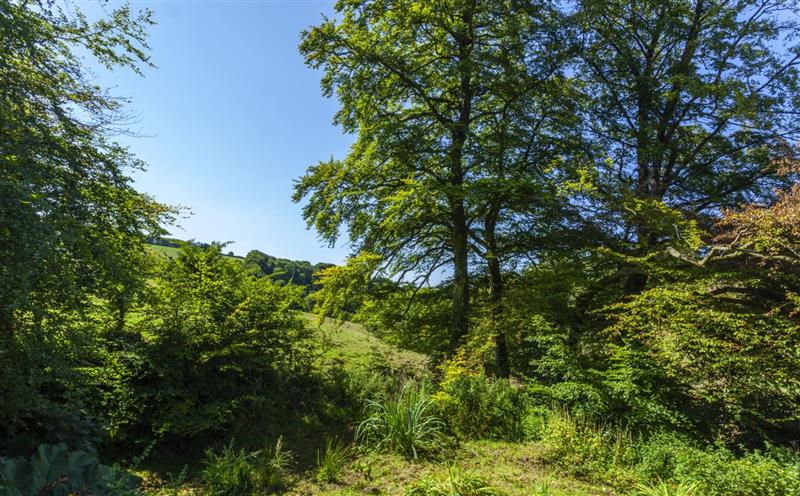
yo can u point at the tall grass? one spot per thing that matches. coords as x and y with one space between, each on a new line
589 449
405 424
228 473
610 454
332 461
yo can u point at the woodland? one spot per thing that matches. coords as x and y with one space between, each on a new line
574 235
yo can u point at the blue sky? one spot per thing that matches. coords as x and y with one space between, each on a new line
229 118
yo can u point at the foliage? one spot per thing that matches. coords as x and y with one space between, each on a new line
410 318
229 473
677 124
459 482
234 472
71 224
681 349
476 407
332 461
211 339
301 273
718 472
343 287
405 424
55 470
665 463
587 449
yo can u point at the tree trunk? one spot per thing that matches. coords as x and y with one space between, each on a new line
6 322
460 312
502 366
459 131
496 296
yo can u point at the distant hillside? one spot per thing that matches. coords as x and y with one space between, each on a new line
298 272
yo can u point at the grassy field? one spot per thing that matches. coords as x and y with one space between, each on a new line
172 251
352 346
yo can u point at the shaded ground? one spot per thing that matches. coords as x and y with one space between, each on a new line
514 469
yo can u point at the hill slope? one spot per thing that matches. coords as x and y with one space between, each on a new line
351 345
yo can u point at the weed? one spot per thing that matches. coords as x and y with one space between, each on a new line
661 488
332 462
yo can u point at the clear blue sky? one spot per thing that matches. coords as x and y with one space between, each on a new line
230 117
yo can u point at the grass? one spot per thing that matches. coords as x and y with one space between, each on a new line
512 469
332 461
353 346
459 482
172 252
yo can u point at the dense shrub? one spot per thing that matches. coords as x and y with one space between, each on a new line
44 395
728 368
211 340
477 407
610 454
586 449
719 472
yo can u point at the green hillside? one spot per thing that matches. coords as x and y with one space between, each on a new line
172 251
351 345
297 272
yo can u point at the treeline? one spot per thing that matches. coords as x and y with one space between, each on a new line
281 270
608 189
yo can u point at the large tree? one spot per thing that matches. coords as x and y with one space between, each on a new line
68 213
440 95
71 225
688 101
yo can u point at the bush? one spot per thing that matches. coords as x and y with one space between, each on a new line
586 449
238 473
475 407
719 473
612 455
405 424
56 470
211 341
656 459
